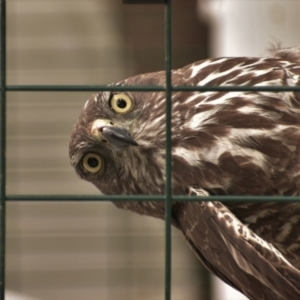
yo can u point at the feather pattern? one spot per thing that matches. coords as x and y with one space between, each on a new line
223 143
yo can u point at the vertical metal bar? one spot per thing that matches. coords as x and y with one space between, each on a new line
168 64
2 144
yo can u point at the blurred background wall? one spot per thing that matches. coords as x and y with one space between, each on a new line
84 250
89 250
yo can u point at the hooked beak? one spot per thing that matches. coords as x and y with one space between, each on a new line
118 137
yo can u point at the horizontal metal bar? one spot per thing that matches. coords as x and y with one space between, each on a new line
80 88
85 197
150 198
97 88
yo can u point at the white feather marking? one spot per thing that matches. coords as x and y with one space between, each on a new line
202 118
86 104
157 120
192 97
158 104
285 230
216 74
223 99
293 79
244 232
196 68
190 156
261 214
212 154
258 111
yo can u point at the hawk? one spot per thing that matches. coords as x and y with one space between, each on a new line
223 143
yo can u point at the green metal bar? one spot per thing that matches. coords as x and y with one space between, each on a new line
168 186
98 88
85 198
81 88
150 198
2 146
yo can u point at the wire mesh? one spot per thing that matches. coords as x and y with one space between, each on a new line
167 197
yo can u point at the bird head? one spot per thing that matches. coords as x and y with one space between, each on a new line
116 135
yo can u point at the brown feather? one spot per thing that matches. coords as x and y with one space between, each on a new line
224 143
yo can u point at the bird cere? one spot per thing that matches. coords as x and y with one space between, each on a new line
223 143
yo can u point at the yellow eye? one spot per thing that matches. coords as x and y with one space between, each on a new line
92 162
121 103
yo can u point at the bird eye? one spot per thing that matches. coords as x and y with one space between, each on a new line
121 103
92 162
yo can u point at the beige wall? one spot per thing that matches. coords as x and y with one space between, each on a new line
77 250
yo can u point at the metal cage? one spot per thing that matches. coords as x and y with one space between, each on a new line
167 198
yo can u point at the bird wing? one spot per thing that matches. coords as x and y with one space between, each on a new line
236 254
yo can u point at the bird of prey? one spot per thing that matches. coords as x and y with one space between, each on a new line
223 143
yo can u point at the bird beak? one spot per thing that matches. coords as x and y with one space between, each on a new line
106 131
119 137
